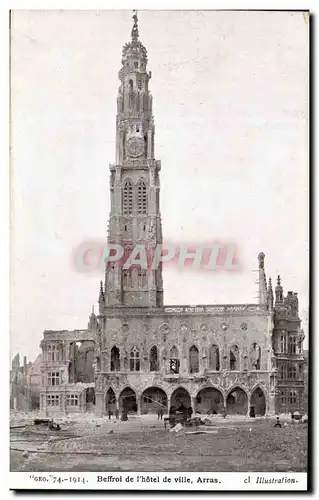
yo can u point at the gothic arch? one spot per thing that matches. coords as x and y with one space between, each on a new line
128 386
171 390
110 400
237 400
174 360
154 399
209 400
235 386
135 359
214 357
154 359
209 385
128 399
258 399
115 359
180 397
113 389
193 359
265 391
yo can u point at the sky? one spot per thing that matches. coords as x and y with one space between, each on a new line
230 103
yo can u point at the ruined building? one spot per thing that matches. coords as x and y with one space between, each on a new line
25 382
138 354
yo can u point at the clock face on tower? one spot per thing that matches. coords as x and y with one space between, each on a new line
135 146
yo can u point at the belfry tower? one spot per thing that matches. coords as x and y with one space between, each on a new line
134 186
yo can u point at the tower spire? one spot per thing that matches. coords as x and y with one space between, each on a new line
134 32
279 291
270 294
262 279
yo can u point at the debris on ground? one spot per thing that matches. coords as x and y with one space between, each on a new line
53 426
176 428
194 422
207 421
202 432
41 421
111 431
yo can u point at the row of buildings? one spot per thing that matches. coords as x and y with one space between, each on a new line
25 383
138 354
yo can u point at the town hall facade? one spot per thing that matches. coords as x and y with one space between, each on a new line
139 355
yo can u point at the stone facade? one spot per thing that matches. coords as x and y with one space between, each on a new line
144 356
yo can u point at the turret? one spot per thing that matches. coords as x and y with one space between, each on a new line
270 296
101 298
92 325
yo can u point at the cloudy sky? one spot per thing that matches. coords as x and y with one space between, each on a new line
231 114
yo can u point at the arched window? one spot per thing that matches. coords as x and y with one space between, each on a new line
127 278
115 359
193 360
141 197
131 84
214 358
135 360
154 365
174 361
142 278
127 198
233 358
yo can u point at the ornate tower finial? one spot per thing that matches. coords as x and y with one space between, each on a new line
92 320
261 259
279 291
270 295
134 32
101 294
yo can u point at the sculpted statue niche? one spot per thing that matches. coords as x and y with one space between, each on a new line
255 356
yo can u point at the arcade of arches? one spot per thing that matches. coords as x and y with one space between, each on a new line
208 400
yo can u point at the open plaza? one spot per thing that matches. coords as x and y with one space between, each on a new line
87 443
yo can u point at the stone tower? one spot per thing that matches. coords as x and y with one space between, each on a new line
135 220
